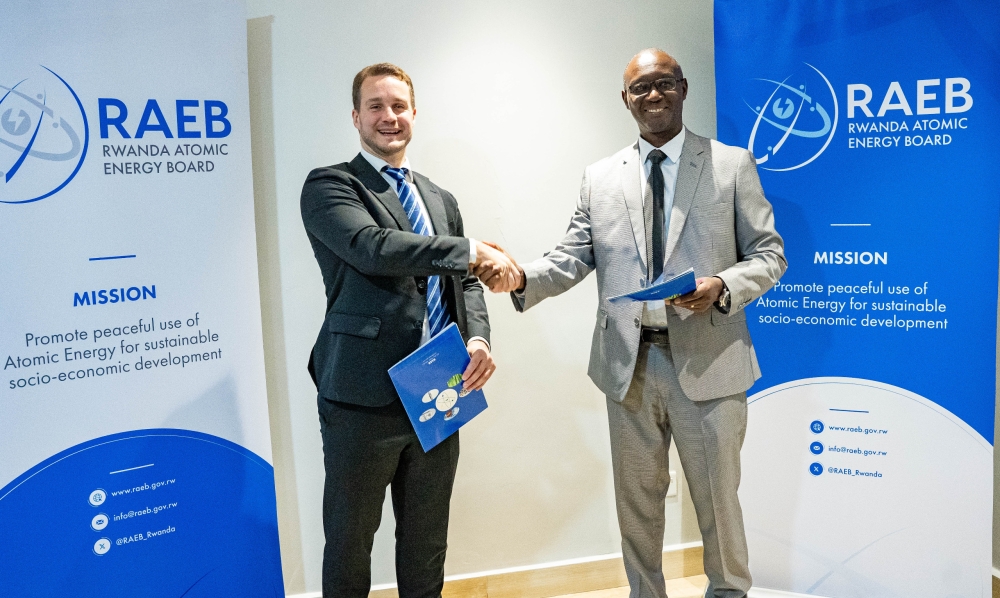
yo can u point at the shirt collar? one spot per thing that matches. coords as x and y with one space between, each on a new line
378 163
671 148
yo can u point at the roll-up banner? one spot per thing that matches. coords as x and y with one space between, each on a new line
868 462
133 414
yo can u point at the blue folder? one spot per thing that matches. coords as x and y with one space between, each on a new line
429 382
682 284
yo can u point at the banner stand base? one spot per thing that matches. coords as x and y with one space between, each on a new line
766 593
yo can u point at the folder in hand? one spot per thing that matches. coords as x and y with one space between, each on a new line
429 383
682 284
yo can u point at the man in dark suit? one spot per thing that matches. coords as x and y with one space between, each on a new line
397 269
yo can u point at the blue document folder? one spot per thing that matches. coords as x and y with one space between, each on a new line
429 382
682 284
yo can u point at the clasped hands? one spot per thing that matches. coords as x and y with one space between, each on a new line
496 269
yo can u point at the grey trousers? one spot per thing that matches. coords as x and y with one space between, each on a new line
709 435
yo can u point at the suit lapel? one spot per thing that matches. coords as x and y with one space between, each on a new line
689 169
633 201
435 204
379 187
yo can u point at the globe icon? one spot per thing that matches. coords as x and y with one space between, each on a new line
43 136
796 121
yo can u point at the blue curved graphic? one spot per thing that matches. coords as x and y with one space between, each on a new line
27 148
151 513
11 90
83 153
940 406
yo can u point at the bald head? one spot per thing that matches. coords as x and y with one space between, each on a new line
655 89
650 57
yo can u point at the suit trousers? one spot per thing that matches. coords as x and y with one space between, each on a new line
366 449
709 435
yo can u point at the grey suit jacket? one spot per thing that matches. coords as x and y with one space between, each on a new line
721 225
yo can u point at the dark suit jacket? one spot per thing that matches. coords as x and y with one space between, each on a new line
375 269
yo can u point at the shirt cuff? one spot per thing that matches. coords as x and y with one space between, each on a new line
479 338
473 255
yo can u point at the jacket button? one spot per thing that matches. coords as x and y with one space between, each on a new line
637 322
418 325
422 286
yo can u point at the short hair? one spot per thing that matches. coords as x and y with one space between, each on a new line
380 70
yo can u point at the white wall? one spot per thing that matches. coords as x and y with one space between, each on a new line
514 99
996 460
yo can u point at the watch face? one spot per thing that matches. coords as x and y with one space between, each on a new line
724 298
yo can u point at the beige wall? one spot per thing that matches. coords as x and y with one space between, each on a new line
514 99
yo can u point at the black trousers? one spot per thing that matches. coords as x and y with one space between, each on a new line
366 449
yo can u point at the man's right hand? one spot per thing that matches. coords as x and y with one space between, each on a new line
497 269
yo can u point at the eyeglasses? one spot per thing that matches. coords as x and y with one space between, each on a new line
663 85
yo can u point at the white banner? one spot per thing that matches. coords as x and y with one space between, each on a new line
133 413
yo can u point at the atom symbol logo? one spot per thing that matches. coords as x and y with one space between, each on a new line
799 122
43 137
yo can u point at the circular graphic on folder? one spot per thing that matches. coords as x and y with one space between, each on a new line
446 400
430 396
451 414
426 415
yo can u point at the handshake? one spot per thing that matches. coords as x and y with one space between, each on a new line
496 269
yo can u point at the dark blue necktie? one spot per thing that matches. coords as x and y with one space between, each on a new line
437 316
659 241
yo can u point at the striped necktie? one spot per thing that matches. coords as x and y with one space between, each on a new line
437 316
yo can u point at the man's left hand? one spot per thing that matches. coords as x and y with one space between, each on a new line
480 368
703 297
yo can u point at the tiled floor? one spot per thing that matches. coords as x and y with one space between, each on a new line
686 587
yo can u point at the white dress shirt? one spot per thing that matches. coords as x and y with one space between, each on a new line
654 313
378 164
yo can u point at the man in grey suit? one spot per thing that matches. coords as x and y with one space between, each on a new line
676 369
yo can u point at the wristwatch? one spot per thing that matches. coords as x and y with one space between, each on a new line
725 299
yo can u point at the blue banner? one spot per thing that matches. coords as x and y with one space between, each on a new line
868 460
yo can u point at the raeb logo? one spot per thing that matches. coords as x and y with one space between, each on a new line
43 136
794 124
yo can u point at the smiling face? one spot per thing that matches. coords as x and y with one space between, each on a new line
658 114
384 118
